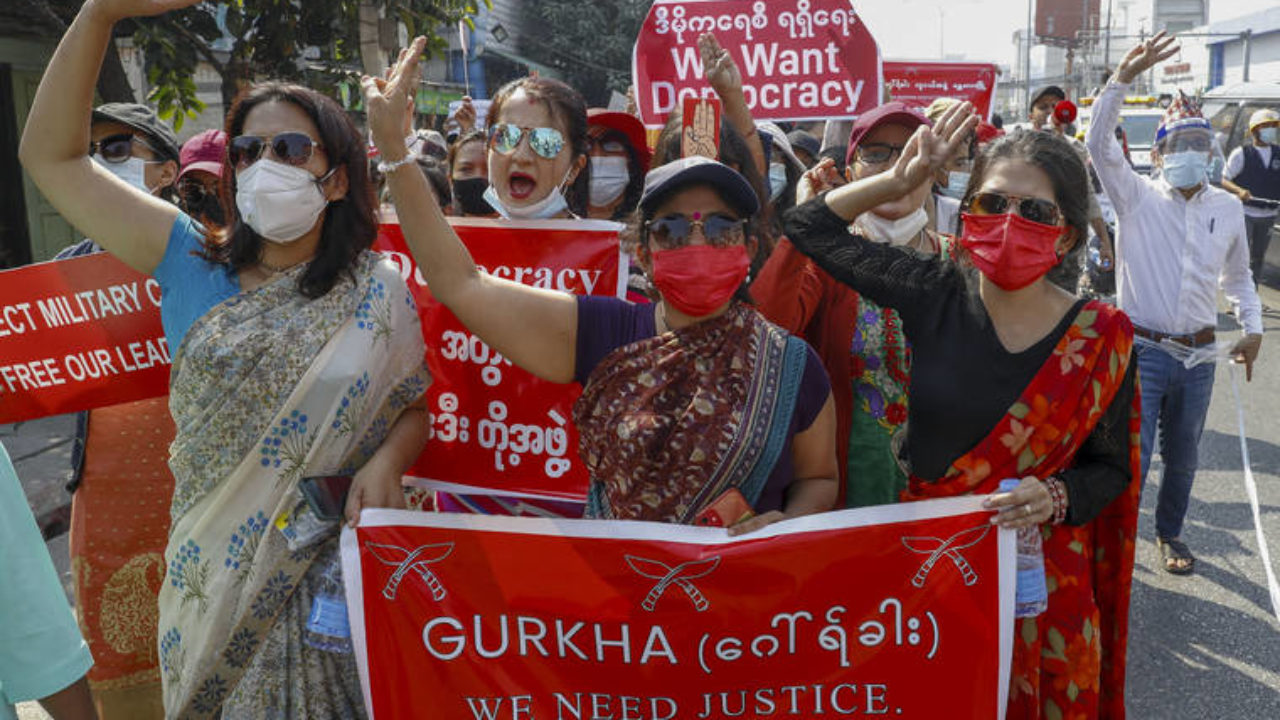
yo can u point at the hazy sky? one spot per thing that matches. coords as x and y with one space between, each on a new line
982 30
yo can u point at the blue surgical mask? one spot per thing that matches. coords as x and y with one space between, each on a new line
777 180
957 183
1269 135
133 171
1185 170
548 207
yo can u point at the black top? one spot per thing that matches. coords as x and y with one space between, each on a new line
963 380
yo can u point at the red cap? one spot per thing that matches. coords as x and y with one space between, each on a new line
890 113
628 125
1064 112
204 151
987 132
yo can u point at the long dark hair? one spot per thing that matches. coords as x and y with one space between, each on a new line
566 105
1056 158
350 226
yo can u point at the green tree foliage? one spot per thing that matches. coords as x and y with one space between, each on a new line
589 42
316 42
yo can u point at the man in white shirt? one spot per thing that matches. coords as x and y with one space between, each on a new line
1253 174
1179 240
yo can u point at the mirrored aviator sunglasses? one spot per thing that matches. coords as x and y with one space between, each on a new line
546 142
673 231
291 148
1036 210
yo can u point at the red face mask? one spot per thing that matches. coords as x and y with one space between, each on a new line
1010 250
698 279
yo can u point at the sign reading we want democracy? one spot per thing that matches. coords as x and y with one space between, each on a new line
799 59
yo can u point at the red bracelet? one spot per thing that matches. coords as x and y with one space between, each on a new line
1058 492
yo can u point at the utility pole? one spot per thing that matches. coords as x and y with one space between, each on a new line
1106 43
1026 61
1246 37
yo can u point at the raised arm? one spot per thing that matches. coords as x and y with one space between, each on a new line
129 223
725 78
534 328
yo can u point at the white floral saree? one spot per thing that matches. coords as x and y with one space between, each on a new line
267 388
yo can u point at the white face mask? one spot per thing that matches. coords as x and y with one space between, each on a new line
1269 135
894 232
133 171
280 202
609 179
548 207
957 183
777 180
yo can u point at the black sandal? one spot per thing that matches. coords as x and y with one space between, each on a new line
1171 551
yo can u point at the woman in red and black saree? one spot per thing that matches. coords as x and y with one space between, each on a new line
683 399
1014 377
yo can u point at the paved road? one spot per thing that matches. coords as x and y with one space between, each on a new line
1205 646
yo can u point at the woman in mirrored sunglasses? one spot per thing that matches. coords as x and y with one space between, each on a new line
1013 377
537 150
678 394
297 354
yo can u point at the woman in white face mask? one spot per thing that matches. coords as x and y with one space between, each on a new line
297 353
537 150
860 343
619 159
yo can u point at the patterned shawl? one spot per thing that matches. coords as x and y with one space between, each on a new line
1071 658
669 423
267 388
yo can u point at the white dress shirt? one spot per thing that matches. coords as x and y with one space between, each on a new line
1171 253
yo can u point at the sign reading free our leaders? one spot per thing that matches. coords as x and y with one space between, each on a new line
799 59
895 611
77 334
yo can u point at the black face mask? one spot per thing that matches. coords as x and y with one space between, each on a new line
207 210
468 195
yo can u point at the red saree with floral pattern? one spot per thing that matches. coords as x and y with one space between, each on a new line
1068 662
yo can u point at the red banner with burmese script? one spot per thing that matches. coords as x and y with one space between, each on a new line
799 59
920 83
494 427
901 611
77 334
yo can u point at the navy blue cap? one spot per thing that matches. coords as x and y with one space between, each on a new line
663 180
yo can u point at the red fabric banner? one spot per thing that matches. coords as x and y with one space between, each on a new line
902 611
800 59
920 83
494 427
77 334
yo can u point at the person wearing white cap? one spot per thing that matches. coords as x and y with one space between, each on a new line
685 400
1180 239
1253 174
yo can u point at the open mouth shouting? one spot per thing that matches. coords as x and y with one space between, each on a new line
521 185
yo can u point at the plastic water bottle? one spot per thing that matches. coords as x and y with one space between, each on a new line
1032 594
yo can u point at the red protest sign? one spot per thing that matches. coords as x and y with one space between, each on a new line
77 334
847 613
800 59
920 83
494 427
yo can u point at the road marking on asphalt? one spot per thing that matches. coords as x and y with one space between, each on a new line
1251 487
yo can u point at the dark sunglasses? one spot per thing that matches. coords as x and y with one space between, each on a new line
673 231
118 148
878 153
546 142
291 148
195 192
1036 210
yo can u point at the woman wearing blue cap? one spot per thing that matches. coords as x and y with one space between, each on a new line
683 399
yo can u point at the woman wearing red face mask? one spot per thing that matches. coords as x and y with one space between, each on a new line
682 399
1013 377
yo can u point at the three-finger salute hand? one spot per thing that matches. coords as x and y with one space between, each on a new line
1145 55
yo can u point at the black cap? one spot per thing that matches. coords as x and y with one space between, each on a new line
144 120
1047 90
664 180
661 181
802 140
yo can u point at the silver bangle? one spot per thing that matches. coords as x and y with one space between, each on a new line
386 168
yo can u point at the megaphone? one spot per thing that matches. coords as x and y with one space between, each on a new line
1064 112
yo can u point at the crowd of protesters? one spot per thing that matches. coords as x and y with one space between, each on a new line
816 327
